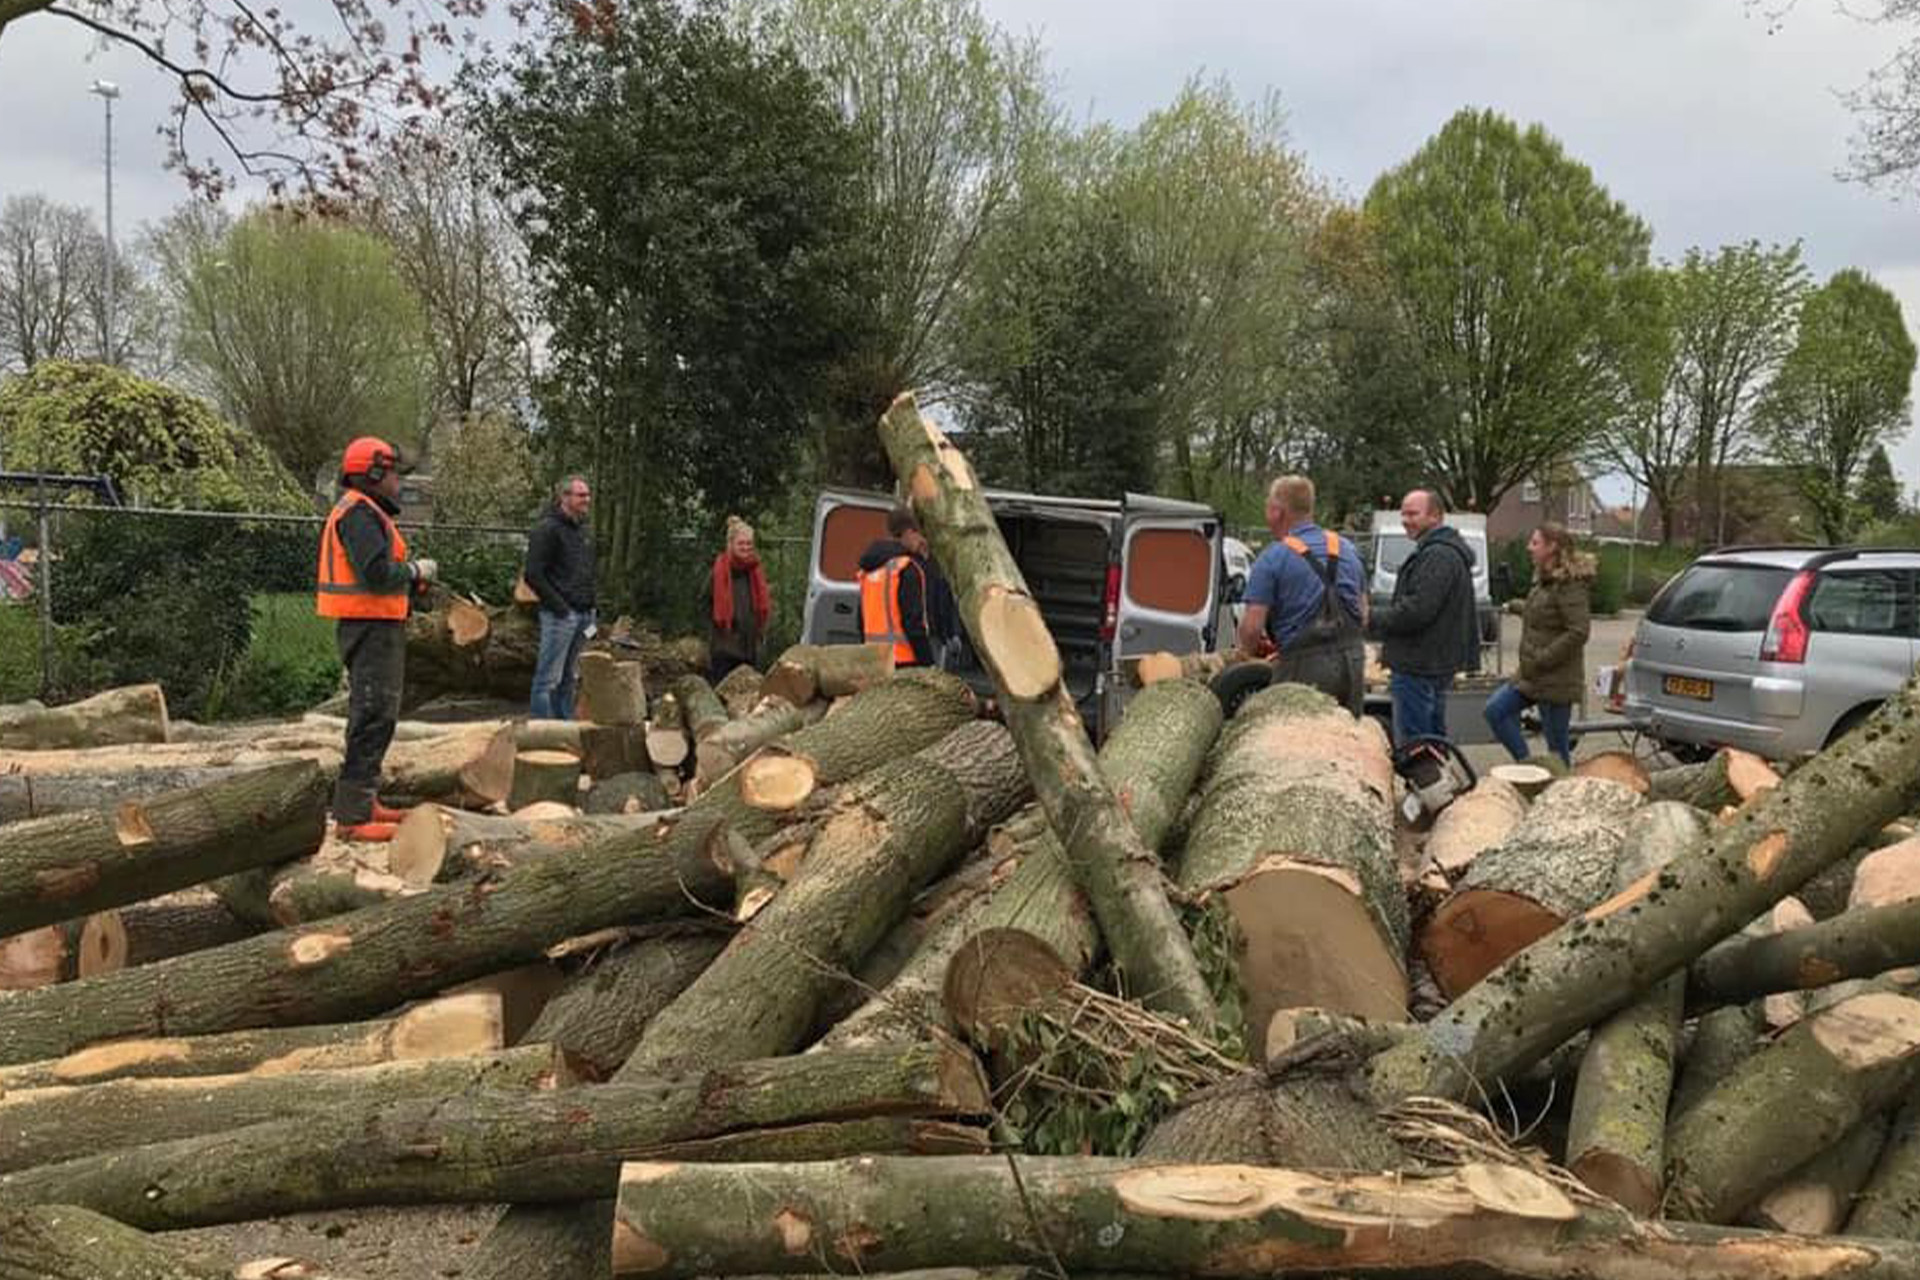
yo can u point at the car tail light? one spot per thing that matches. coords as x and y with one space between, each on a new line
1786 638
1110 612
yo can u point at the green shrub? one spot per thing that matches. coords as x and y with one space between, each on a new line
290 665
20 655
1609 591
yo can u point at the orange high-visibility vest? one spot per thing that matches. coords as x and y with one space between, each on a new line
338 591
880 618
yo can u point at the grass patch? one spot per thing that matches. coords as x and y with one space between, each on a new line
290 665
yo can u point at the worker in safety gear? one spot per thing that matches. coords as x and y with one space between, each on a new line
365 582
894 591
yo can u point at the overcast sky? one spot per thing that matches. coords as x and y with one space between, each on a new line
1703 121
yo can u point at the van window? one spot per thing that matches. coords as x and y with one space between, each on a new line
1863 604
1720 597
1169 570
1394 548
846 532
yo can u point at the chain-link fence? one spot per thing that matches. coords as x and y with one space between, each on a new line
217 606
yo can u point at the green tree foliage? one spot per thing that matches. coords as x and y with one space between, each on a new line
1880 496
158 445
942 102
1220 209
1516 269
484 471
1062 340
692 208
303 332
1841 391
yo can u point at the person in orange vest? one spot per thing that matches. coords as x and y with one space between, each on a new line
894 591
365 582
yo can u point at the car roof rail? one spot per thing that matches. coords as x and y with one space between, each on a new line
1821 557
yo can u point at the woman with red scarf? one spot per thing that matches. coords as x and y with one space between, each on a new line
741 603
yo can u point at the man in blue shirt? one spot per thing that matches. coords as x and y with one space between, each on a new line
1306 600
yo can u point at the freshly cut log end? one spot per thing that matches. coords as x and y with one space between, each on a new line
777 782
1015 642
1887 876
1615 766
1474 823
1816 1198
740 689
1527 779
544 775
997 976
1556 864
450 1026
467 624
103 945
418 849
1308 937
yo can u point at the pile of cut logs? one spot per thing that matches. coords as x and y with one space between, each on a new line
732 981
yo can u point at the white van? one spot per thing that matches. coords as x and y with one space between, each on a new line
1115 580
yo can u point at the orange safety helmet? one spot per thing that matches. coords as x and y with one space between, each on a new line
369 456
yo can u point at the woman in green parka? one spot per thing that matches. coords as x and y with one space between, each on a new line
1553 646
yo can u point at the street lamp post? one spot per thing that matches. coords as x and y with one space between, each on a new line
107 91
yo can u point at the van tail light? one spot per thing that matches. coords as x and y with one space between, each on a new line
1110 610
1786 638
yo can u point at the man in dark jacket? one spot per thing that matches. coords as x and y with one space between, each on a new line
895 590
560 572
1430 628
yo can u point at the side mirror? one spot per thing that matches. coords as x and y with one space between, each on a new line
1236 588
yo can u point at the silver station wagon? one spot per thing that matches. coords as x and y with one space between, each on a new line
1778 650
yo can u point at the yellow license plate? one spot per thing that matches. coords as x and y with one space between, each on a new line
1687 687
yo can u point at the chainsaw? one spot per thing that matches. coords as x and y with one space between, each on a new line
1436 772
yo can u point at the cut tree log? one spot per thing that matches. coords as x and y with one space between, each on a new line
516 1147
1294 835
440 844
1036 934
626 794
176 923
1859 944
444 1027
1472 824
1150 669
1616 1137
544 776
1120 875
521 994
63 952
1887 875
888 835
459 647
67 865
1888 1204
598 1017
1615 766
1549 869
700 707
1527 779
1759 1122
740 689
61 1242
1826 894
1719 1041
730 743
50 1125
134 714
1081 1214
809 671
614 689
610 750
1731 777
1815 1199
36 795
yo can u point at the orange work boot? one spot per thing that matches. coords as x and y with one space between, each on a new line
368 831
386 813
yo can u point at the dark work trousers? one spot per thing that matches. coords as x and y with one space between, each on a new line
1336 667
374 653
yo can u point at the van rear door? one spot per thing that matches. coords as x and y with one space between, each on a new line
1168 579
845 523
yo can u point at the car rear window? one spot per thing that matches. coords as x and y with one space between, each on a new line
1720 597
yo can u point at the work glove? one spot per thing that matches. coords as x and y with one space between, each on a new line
425 570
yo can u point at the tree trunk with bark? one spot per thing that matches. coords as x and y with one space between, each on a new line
1550 868
1731 777
60 867
1815 1199
1858 944
1294 835
626 794
562 1145
809 671
61 1242
440 844
732 742
740 689
444 1027
598 1017
613 690
65 1122
611 750
63 952
700 708
1617 1134
1073 1214
544 776
1764 1118
36 795
135 714
1888 1205
465 648
1119 874
174 924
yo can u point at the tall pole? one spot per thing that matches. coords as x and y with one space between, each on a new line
108 91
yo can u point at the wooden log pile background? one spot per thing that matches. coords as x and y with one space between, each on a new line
828 971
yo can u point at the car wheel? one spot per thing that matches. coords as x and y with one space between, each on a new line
1849 722
1239 682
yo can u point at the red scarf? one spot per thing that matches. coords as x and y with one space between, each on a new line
723 566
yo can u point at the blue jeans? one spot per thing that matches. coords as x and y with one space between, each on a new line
1419 706
1556 723
562 637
